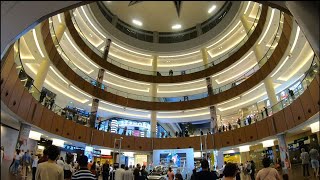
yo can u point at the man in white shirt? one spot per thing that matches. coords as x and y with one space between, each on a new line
34 166
128 174
60 162
50 170
119 173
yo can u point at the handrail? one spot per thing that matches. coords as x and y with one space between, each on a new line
236 82
213 61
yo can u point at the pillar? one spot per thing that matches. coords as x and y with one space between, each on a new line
155 65
218 159
204 54
153 92
106 49
153 124
155 37
306 14
199 30
95 102
213 111
284 154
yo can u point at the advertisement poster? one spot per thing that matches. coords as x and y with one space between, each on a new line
22 143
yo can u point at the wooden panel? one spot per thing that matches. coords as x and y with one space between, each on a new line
68 129
128 143
239 136
32 110
97 137
80 133
88 135
210 141
307 104
6 67
57 125
15 99
143 144
114 143
280 122
297 112
190 142
288 117
271 125
227 138
251 132
261 128
314 92
156 143
37 115
107 140
46 119
7 90
217 141
24 105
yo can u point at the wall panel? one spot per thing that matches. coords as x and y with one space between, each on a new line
68 129
80 133
24 104
97 137
297 112
307 104
46 119
251 132
261 128
57 125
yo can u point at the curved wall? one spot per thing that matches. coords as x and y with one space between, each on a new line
249 83
22 103
167 79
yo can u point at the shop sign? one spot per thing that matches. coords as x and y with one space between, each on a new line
134 123
72 148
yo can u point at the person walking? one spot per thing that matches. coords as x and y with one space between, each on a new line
50 170
83 173
34 166
119 173
67 169
170 174
16 164
305 162
253 170
230 171
314 156
137 173
105 171
267 172
178 175
205 174
127 175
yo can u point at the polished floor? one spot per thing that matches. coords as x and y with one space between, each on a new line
294 174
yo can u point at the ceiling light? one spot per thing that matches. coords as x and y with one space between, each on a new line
35 135
267 30
41 147
136 22
314 127
58 142
176 26
268 143
105 151
245 148
212 8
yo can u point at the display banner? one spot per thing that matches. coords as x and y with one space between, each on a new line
22 143
94 110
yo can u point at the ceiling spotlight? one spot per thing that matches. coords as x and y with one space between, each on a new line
212 8
136 22
176 26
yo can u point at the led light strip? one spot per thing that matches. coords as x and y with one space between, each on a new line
122 107
225 35
268 27
179 55
185 90
55 72
247 8
91 23
131 50
128 60
136 82
228 101
242 103
233 65
59 18
134 89
79 51
183 116
37 43
244 71
253 89
88 72
81 91
148 116
295 39
180 84
192 110
181 64
280 66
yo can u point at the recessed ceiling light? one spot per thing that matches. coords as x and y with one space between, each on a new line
212 8
176 26
136 22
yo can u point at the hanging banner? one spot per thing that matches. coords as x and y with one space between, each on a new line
22 143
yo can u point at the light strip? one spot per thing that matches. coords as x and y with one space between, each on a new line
242 103
131 50
88 72
79 51
128 60
245 148
35 135
134 89
37 43
199 109
295 39
58 142
268 27
233 65
268 143
247 8
55 72
181 64
253 89
228 101
122 107
239 74
91 23
59 18
80 91
212 8
280 66
178 91
314 127
225 35
125 113
178 84
136 82
179 55
183 116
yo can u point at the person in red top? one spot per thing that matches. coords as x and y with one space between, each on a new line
170 174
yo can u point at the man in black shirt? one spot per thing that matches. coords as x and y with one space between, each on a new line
137 173
205 174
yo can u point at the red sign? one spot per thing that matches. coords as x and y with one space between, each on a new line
106 156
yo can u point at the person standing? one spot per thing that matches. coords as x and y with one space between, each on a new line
67 169
314 156
305 162
267 172
16 162
119 173
253 170
60 162
50 170
144 173
127 175
230 171
205 174
137 173
266 110
34 166
83 173
105 171
26 162
170 174
178 175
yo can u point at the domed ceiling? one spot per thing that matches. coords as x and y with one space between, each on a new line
162 16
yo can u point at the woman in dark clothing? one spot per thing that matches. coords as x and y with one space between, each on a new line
105 171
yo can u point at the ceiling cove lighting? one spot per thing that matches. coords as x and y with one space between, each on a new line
125 113
185 90
212 8
176 26
37 43
59 18
128 60
58 142
180 84
186 54
130 50
268 27
280 66
91 23
268 143
137 22
183 116
245 148
137 82
315 127
55 72
88 72
247 8
35 135
180 64
134 89
232 77
228 101
80 91
295 39
122 107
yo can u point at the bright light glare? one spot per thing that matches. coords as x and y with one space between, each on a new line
136 22
212 8
176 26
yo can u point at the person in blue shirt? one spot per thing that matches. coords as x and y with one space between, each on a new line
26 162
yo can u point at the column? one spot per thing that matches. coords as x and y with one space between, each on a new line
155 65
153 92
199 30
155 37
204 54
245 156
153 124
95 102
213 111
284 154
114 20
106 49
23 137
218 159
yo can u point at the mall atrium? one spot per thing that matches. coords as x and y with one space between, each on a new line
128 82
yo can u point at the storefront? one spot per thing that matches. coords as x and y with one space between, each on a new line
232 157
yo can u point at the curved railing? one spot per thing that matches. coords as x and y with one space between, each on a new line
166 37
218 90
213 61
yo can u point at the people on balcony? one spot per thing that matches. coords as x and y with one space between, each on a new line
266 110
170 72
